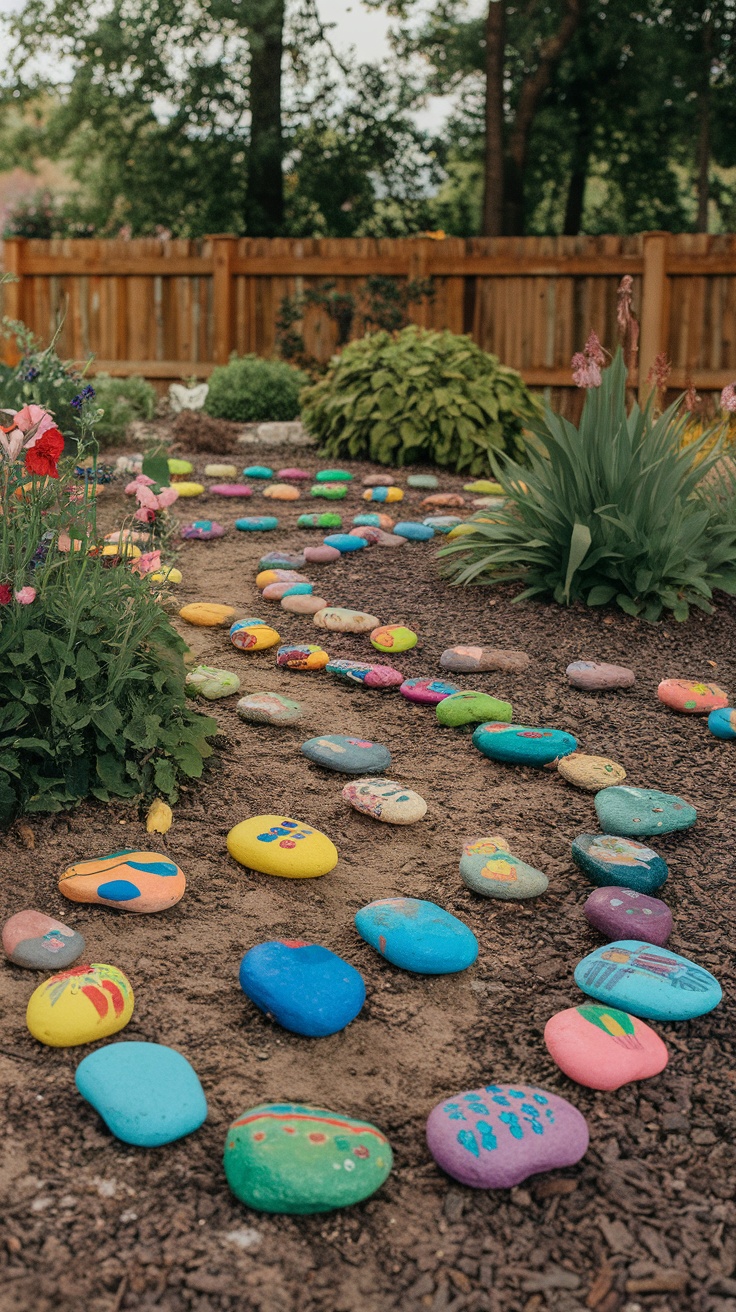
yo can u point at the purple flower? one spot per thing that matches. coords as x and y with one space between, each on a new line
728 398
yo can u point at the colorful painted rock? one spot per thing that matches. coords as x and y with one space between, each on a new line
621 913
426 481
207 614
602 1047
128 879
306 988
368 536
281 492
266 576
282 560
642 811
611 860
695 698
383 494
472 707
484 486
296 475
278 845
80 1005
257 471
347 755
190 489
374 520
294 590
648 981
379 538
393 637
472 660
169 574
488 867
304 656
333 476
449 500
256 523
596 676
345 542
146 1094
341 620
253 635
417 936
232 490
202 530
276 591
722 723
296 1160
590 772
303 605
385 800
212 683
321 555
442 523
220 471
269 708
517 744
378 480
327 520
414 532
371 676
180 467
330 491
427 692
38 942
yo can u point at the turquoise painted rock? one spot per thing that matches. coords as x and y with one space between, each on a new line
256 523
414 532
722 723
472 707
367 521
212 683
344 542
257 471
632 812
269 708
298 590
147 1094
428 481
417 936
648 981
610 859
327 520
295 1160
282 560
517 744
347 755
489 868
304 987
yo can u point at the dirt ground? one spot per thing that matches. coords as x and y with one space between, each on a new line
645 1223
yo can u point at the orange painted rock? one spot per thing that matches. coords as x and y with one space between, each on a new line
602 1047
281 492
80 1005
444 499
207 614
128 879
694 698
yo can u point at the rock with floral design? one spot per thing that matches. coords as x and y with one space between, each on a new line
603 1047
38 942
81 1005
691 697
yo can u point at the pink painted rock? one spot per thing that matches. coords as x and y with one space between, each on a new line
602 1047
232 490
368 532
38 942
275 591
321 555
428 692
449 499
693 698
497 1136
623 913
301 604
596 676
281 492
377 480
296 475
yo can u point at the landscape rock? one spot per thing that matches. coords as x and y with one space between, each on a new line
621 913
303 605
129 879
303 987
38 942
253 635
648 981
610 860
230 490
385 800
596 676
488 867
604 1048
371 676
634 812
147 1094
207 614
393 637
80 1005
256 523
341 620
347 755
282 560
440 500
414 532
333 476
269 708
328 519
220 471
330 491
472 660
345 542
374 520
294 473
472 708
302 656
281 492
417 936
427 481
266 576
257 471
202 530
383 494
213 683
695 698
278 845
722 723
321 555
442 523
427 692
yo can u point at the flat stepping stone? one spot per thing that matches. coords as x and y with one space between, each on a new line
641 812
722 723
146 1093
279 845
370 676
212 683
385 800
81 1005
692 698
472 708
488 867
611 859
269 708
518 744
347 755
417 936
38 942
303 987
339 619
472 660
591 773
129 879
648 981
596 676
604 1048
620 913
427 692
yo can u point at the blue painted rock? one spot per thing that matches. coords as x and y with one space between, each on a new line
414 532
269 708
722 723
333 476
38 942
282 560
344 542
342 620
295 590
442 523
427 481
296 1160
383 494
257 471
147 1094
497 1136
256 523
278 845
642 811
385 800
347 755
327 520
602 1047
202 530
129 880
275 591
427 692
488 867
371 676
694 698
609 859
304 987
417 936
471 707
596 676
472 660
303 656
212 683
517 744
367 521
623 913
648 980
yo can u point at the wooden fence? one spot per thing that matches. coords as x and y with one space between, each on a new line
175 309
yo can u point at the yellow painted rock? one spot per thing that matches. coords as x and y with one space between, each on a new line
220 471
590 772
460 530
190 489
169 574
253 635
277 845
128 879
180 467
485 486
128 549
80 1005
207 613
384 494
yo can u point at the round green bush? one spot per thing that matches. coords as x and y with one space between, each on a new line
249 390
121 400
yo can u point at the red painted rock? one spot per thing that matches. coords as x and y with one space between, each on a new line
693 698
38 942
602 1047
596 676
321 555
623 913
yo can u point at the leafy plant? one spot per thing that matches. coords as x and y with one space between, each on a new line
249 389
39 377
616 509
121 400
419 395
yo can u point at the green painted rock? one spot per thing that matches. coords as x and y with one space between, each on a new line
331 491
326 520
473 708
283 1157
212 683
428 481
334 476
631 812
489 868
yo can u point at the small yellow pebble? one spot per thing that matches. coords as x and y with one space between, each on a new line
160 817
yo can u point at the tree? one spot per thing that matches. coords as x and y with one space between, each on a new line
264 207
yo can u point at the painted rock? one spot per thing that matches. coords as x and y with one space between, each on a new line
258 471
327 520
321 555
426 481
393 637
180 467
147 1094
232 490
128 879
696 698
608 859
488 867
253 635
294 590
303 605
347 755
602 1047
306 988
278 845
414 532
282 560
207 614
442 523
345 542
374 520
38 942
256 523
378 480
275 591
371 676
296 475
333 476
220 471
368 535
449 500
266 576
383 539
596 676
484 487
642 811
123 551
269 708
190 489
722 722
330 491
590 772
202 530
488 503
648 981
417 936
296 1160
385 800
80 1005
342 620
383 494
303 656
428 692
281 492
517 744
469 660
212 683
620 913
472 707
169 574
497 1136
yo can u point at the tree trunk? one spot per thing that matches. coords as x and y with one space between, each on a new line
581 152
702 154
493 194
264 205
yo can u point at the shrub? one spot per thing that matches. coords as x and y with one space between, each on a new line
616 509
39 378
250 389
416 396
122 400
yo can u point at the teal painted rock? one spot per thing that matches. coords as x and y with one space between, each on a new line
413 531
722 723
258 471
417 936
333 476
147 1094
428 481
330 491
367 521
472 707
256 523
212 683
296 1160
347 755
326 520
632 812
489 868
648 981
517 744
609 859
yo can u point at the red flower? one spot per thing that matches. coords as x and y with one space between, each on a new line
43 456
6 594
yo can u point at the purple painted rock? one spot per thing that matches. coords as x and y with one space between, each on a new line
624 913
497 1136
428 692
602 1047
202 530
321 555
295 475
596 676
232 490
38 942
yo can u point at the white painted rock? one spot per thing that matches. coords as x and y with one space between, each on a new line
385 800
341 620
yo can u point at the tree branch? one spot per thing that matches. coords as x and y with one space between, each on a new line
535 85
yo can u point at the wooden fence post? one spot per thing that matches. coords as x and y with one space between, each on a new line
223 299
653 302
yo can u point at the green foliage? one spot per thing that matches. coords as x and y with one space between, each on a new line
613 510
122 400
39 378
382 302
249 389
415 396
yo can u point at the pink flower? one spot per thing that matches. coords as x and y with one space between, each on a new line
585 372
155 500
144 515
728 398
147 563
25 596
34 416
594 351
167 496
624 298
659 372
140 480
11 441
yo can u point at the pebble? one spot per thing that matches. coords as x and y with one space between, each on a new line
414 532
472 660
256 523
383 494
330 491
302 605
253 635
266 576
38 942
393 637
642 811
471 708
258 471
80 1005
596 676
722 723
302 656
282 560
648 981
427 481
496 1136
147 1094
695 698
321 555
231 490
281 492
269 708
296 1160
278 845
202 530
622 913
297 475
418 936
517 744
484 486
303 987
604 1048
489 868
446 500
344 542
341 620
347 755
179 467
275 591
383 799
328 520
207 614
442 523
607 860
190 489
129 879
333 476
220 471
427 692
371 676
212 683
590 772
